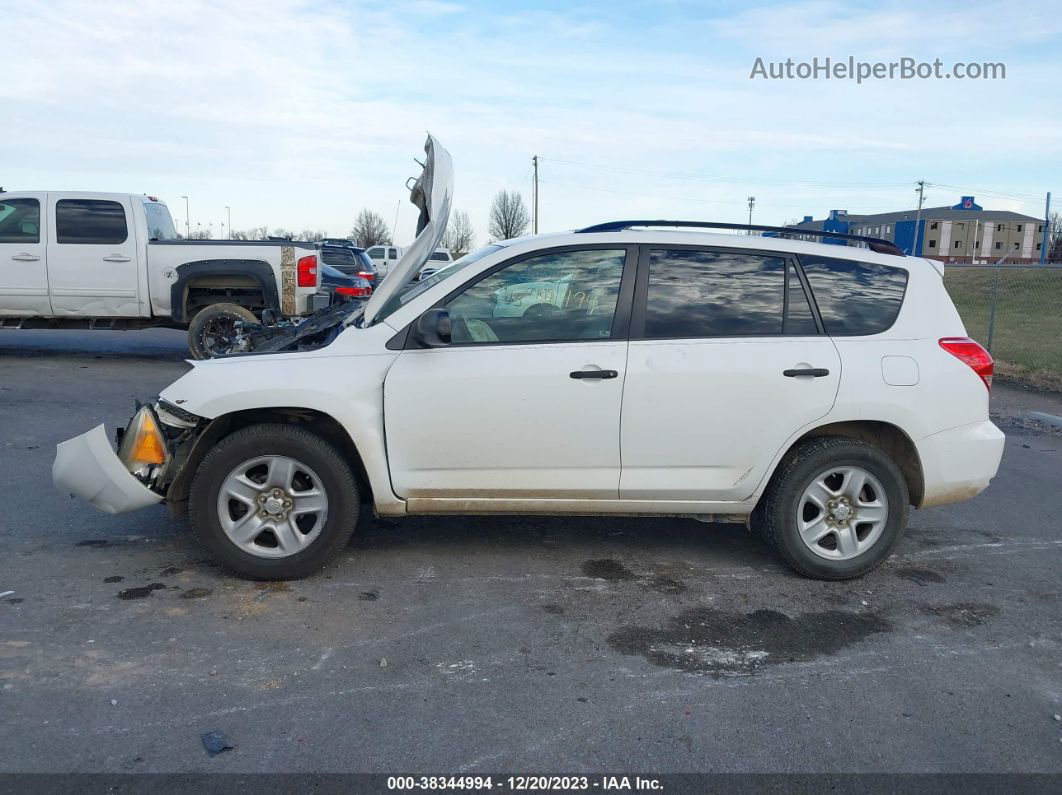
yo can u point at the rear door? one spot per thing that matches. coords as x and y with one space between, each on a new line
727 360
92 257
23 265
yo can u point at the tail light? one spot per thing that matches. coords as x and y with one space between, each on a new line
307 270
366 275
354 292
972 354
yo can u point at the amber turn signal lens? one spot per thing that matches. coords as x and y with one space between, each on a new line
143 443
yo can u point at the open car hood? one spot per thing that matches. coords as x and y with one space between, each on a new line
432 193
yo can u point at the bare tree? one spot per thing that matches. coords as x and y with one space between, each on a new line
311 235
1053 236
459 237
370 229
202 233
508 215
283 233
255 233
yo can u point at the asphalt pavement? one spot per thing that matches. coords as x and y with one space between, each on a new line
477 645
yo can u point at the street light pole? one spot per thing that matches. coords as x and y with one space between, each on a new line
534 163
752 203
229 211
187 226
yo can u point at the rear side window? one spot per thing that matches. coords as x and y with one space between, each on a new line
855 298
90 221
392 254
695 293
20 221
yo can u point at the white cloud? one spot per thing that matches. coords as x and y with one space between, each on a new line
298 114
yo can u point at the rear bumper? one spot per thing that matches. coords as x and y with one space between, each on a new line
959 463
87 467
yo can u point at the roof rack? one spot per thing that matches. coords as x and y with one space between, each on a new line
873 243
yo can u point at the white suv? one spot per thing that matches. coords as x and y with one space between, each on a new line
814 391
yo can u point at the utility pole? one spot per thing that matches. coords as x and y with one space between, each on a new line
534 225
394 229
229 211
752 203
1047 230
918 216
187 226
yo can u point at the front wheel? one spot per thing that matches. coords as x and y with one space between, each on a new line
835 508
274 502
212 331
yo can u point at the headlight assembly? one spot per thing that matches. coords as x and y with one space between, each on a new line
143 445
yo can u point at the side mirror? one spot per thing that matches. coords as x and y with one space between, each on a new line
432 329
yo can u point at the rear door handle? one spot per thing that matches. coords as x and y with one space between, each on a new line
26 257
594 374
814 372
115 258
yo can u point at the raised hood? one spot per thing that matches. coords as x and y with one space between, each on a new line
432 193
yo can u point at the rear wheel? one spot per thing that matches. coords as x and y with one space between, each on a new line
835 508
274 502
212 331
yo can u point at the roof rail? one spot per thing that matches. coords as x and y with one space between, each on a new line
873 243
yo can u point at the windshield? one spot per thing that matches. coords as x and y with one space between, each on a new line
398 300
159 223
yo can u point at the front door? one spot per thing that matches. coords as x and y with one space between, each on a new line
726 363
525 402
92 258
23 266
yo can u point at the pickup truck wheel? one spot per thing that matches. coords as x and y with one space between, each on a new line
212 330
835 508
273 502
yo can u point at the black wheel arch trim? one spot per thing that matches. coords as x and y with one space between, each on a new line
261 272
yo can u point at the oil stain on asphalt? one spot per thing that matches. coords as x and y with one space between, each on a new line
614 571
719 642
141 592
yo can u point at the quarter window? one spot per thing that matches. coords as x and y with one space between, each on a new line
20 221
90 221
696 293
855 298
564 296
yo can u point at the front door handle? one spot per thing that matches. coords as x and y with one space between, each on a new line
594 374
814 372
115 258
26 257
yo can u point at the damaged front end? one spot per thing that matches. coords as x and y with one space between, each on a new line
152 451
283 336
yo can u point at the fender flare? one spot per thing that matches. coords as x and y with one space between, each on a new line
258 270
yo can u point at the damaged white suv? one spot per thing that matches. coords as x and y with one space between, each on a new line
814 391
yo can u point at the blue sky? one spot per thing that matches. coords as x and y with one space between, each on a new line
297 114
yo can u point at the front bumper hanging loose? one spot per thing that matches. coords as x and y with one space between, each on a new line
88 467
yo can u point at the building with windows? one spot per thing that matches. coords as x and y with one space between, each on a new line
964 233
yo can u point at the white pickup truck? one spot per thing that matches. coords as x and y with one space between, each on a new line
113 261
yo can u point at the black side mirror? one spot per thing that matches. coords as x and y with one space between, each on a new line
432 329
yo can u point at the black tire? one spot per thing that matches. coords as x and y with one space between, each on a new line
211 323
775 517
309 449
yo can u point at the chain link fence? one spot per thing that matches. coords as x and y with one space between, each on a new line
1016 312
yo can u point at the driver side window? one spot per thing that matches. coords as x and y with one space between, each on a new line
564 296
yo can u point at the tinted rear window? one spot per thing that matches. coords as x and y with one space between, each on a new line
439 257
713 294
20 221
855 298
90 221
